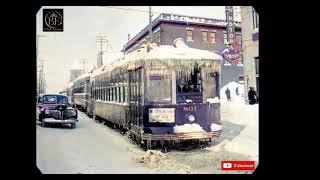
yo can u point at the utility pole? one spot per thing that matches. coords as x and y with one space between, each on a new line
41 80
37 45
101 39
150 25
83 62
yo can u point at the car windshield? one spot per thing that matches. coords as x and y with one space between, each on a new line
55 99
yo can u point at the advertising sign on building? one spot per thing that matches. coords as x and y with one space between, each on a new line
230 25
230 54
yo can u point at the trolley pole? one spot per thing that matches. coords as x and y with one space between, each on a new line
83 62
101 39
37 45
41 80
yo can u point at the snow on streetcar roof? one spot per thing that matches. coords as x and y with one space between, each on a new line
178 51
82 76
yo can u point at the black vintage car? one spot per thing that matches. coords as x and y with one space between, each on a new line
54 108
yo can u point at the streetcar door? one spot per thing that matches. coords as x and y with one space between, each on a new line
135 98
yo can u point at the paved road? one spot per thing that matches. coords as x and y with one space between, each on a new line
90 148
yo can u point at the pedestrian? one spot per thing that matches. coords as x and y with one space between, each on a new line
252 96
228 95
237 91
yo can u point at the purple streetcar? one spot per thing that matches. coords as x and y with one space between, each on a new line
160 93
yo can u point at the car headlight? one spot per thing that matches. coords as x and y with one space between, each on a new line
191 117
74 112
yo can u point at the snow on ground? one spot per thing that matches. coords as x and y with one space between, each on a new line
238 141
232 87
247 142
89 148
95 148
247 116
160 161
204 161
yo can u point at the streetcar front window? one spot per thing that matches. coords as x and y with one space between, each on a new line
159 86
189 86
192 82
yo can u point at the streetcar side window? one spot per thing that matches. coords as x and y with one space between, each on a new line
124 94
116 94
120 95
112 94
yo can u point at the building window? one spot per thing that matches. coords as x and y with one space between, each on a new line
212 37
157 35
189 34
205 36
225 38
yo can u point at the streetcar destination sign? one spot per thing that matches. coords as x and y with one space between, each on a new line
162 115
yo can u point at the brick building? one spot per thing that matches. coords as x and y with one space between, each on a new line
250 31
198 32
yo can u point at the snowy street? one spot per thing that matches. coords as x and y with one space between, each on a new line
95 148
89 148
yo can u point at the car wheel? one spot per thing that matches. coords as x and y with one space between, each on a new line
39 118
73 125
43 124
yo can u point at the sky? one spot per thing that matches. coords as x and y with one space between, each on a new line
82 24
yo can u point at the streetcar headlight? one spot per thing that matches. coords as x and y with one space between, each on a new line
216 127
191 117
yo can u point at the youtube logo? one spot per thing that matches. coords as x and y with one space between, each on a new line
237 165
227 165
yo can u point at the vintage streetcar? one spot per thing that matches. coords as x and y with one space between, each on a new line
158 93
80 92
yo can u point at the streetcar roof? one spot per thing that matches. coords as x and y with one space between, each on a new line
82 76
178 51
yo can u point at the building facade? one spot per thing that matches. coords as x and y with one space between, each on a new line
198 32
250 45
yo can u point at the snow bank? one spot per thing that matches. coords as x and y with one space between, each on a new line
247 142
232 87
219 147
187 128
213 100
157 160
